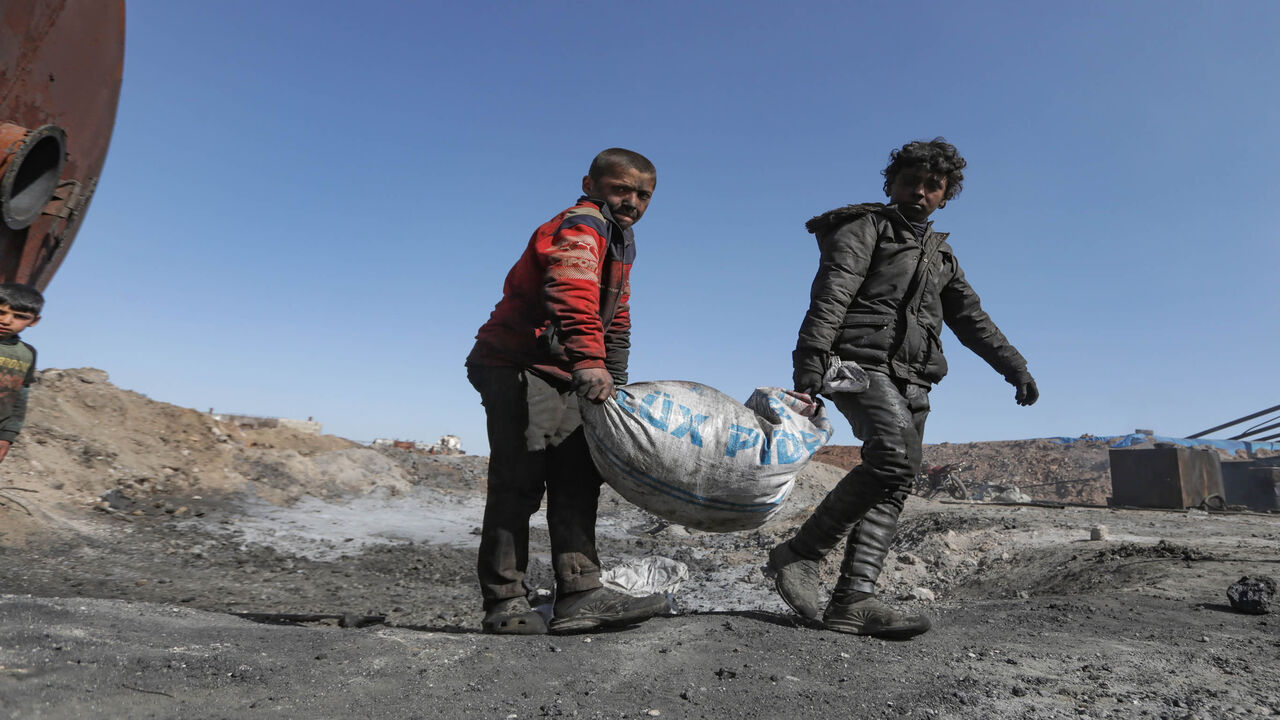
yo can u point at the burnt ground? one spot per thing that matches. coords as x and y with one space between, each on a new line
139 605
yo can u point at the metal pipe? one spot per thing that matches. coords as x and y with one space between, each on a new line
30 164
1255 430
1202 433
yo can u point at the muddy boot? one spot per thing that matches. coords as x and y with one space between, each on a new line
513 617
601 607
796 579
863 614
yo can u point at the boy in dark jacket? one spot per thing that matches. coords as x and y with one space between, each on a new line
886 283
20 308
561 332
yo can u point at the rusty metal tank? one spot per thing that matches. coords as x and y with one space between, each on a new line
1166 477
60 69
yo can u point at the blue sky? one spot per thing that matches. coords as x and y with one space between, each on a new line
308 207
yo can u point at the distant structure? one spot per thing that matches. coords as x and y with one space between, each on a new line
255 422
448 445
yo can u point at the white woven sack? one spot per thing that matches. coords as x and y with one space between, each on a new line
690 454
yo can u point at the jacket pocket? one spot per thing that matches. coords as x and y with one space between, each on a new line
866 332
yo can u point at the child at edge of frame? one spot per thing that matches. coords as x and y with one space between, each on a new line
20 307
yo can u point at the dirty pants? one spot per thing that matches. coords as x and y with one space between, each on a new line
889 418
536 443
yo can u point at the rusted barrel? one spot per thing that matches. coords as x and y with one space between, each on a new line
60 71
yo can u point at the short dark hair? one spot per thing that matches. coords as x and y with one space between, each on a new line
22 298
615 158
936 156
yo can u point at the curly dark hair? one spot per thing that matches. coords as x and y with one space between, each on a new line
936 156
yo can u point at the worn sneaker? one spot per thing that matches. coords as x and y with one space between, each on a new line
602 607
869 616
514 617
796 579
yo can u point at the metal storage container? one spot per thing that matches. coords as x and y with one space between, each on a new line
1252 484
1165 477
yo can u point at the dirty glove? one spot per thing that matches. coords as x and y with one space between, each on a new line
808 368
1027 393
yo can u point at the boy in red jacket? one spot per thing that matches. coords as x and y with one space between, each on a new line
561 332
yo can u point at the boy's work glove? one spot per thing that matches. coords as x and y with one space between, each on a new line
1027 392
808 369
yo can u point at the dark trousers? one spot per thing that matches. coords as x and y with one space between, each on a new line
863 507
536 443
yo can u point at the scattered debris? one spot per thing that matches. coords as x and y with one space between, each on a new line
1253 596
255 422
646 575
343 620
1012 495
7 499
921 593
144 690
1162 550
448 445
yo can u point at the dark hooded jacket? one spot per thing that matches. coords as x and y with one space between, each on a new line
882 294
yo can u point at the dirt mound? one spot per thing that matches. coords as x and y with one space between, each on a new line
290 439
86 438
1076 472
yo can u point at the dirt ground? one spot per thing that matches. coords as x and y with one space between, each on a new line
142 545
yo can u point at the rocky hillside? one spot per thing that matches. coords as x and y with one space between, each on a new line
1078 472
85 439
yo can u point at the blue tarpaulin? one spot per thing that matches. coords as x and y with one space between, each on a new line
1121 441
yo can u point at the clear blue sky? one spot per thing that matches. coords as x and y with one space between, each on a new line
308 207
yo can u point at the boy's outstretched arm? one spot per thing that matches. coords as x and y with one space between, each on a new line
974 328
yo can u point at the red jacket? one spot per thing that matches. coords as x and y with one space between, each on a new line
565 303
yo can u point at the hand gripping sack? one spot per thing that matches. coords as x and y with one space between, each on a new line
690 454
